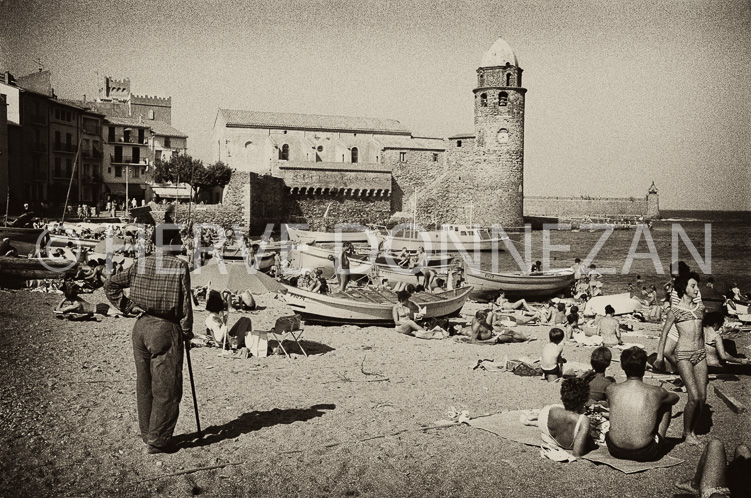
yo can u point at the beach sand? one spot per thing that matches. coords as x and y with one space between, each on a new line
347 421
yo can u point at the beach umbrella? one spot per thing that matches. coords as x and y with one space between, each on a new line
236 278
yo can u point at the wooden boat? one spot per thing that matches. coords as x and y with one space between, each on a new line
363 306
487 285
263 261
391 260
310 237
62 241
623 304
451 238
16 234
18 269
409 276
307 257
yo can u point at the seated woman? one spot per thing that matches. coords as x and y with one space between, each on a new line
404 316
717 357
609 328
216 323
504 304
566 426
73 303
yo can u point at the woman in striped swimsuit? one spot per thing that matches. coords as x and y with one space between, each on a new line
690 356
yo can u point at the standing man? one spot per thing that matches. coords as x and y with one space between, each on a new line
160 295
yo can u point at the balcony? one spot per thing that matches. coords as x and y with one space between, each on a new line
131 140
128 160
60 147
92 130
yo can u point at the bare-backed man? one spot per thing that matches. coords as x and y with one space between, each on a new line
639 413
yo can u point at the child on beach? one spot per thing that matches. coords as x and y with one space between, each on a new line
559 315
552 356
600 361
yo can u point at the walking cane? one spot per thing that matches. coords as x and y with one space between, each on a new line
193 389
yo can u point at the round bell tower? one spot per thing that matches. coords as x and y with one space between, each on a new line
499 135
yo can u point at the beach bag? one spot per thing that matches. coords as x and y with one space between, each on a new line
257 343
526 370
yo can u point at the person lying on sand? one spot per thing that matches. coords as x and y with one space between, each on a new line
484 328
501 303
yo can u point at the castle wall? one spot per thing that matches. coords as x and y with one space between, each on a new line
338 208
140 105
563 207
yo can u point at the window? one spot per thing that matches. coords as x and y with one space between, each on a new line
68 167
503 98
136 172
484 100
502 136
57 140
136 155
141 138
320 148
118 154
151 113
167 142
355 154
111 136
402 157
68 116
508 79
435 157
58 167
458 143
126 135
118 171
158 155
68 141
57 113
284 153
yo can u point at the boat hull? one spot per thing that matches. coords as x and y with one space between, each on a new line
62 241
16 270
28 235
621 303
310 258
310 237
441 242
368 307
397 275
487 285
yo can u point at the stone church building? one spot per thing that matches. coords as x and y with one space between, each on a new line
323 170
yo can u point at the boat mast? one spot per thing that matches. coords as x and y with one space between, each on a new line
7 203
70 183
414 216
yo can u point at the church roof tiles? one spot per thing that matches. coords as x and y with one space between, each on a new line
280 120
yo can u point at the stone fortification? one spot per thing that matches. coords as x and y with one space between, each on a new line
563 207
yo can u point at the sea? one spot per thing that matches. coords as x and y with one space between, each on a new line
712 243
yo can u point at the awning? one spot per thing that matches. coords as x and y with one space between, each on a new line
172 192
115 188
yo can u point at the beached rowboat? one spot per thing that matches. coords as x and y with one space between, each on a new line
310 257
18 269
363 306
16 234
310 237
623 304
487 285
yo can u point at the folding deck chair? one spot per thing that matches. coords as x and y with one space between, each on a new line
291 326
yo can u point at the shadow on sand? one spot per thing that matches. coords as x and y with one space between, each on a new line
250 422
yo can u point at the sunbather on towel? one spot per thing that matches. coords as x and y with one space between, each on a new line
566 426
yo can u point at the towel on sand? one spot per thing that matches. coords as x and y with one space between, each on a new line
508 426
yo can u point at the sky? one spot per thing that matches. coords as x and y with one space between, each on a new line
620 94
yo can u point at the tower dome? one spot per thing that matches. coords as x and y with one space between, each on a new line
499 54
